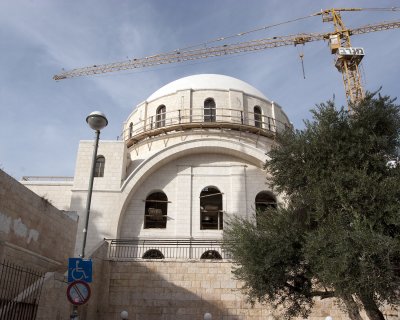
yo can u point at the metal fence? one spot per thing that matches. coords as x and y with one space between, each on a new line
20 290
166 249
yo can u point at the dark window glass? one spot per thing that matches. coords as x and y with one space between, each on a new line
257 117
264 201
153 254
99 168
211 254
130 130
211 214
209 110
155 215
160 116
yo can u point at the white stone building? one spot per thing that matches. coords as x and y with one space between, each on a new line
191 155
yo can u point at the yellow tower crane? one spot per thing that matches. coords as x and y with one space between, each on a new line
347 58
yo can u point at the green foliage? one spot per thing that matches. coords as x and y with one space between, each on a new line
340 228
269 260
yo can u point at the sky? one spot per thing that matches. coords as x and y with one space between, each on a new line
42 120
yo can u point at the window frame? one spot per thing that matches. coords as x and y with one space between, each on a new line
211 209
257 112
209 110
160 116
269 201
99 166
156 211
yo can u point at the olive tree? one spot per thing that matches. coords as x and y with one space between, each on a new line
338 232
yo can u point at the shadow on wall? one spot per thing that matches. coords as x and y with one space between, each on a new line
169 290
95 235
131 221
53 302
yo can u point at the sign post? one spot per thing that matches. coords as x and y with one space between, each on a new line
74 314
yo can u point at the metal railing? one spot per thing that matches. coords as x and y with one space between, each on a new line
48 178
203 117
166 248
20 290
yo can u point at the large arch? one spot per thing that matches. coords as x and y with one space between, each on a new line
209 145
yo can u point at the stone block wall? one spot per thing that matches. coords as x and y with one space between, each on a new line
57 193
182 290
168 290
33 233
114 153
53 303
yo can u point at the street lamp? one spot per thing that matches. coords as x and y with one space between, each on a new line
207 316
97 121
124 315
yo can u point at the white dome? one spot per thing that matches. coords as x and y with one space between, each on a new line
208 82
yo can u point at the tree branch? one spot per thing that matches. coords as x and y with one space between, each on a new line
323 294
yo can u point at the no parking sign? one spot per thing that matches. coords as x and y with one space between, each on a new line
78 292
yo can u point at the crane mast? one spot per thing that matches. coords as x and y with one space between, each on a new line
347 58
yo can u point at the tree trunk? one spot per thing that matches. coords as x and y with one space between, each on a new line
352 308
371 308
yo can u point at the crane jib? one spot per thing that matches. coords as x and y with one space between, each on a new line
227 49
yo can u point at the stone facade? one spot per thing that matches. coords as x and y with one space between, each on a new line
180 156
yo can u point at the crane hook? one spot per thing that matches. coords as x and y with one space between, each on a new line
302 64
301 55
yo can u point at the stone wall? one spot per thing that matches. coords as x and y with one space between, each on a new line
180 290
168 290
33 233
57 193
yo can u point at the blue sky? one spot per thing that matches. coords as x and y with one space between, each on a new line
42 120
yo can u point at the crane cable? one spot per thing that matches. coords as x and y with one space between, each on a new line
222 38
246 32
204 44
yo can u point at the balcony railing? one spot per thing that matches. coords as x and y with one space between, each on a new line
182 119
166 249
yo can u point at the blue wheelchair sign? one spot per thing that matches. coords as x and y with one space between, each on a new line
79 269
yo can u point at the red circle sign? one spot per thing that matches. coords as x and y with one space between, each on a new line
78 292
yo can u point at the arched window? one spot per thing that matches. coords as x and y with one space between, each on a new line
156 208
130 130
209 110
211 254
160 116
264 201
153 254
99 168
211 214
257 117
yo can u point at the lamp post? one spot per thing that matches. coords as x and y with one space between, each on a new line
97 121
124 315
